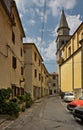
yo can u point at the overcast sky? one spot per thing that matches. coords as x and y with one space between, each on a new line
32 15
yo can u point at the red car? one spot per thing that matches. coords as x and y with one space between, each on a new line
75 103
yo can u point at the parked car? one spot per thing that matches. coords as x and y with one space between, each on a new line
78 113
69 96
75 103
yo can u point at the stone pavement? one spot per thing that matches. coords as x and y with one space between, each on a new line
45 114
5 122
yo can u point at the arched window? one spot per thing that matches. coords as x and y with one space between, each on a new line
62 42
69 51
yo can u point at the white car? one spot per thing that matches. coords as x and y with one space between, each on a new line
69 96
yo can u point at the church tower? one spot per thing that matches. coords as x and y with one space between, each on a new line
63 34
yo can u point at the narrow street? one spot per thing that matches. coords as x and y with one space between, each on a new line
48 113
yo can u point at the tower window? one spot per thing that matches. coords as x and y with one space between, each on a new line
62 42
69 51
82 35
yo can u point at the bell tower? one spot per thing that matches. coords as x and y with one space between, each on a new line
63 34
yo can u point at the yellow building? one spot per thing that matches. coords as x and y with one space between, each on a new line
44 81
53 83
35 72
69 58
11 47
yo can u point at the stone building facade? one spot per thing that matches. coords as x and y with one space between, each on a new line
35 72
52 83
11 47
44 81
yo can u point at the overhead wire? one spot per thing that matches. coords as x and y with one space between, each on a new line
43 22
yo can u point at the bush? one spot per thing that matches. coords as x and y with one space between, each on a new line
13 109
14 100
28 100
3 108
21 98
5 94
6 106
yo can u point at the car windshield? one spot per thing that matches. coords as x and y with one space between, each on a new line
69 94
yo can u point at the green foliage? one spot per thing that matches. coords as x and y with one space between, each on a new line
3 108
8 107
21 98
14 100
28 100
13 109
5 94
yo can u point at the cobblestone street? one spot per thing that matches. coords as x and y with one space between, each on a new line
45 114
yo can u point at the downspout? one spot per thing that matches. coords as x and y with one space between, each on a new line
73 73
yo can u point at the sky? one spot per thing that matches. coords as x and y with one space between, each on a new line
40 20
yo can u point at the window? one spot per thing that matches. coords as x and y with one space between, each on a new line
14 62
62 42
69 51
54 77
35 56
66 41
21 70
54 84
13 90
13 37
54 91
22 91
82 35
13 20
35 73
21 52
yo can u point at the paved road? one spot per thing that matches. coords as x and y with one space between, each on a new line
46 114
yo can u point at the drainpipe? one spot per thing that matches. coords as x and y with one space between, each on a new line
73 74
